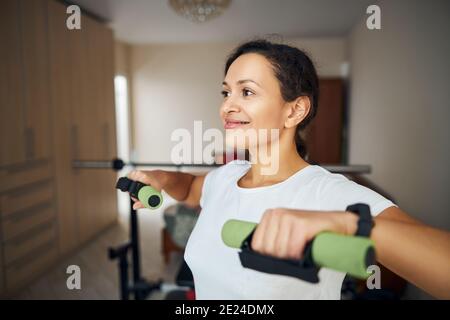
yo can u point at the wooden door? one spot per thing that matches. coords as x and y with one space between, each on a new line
324 135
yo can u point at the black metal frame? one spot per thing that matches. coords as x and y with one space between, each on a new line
118 164
140 288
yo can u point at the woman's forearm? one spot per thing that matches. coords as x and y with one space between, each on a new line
177 184
413 250
416 252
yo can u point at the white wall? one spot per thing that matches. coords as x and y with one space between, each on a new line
174 85
400 105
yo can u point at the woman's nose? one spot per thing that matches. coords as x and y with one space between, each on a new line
229 106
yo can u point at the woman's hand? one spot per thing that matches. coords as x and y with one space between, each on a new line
155 178
284 233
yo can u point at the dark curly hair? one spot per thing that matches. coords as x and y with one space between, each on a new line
295 72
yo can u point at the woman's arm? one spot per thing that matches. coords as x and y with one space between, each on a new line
195 191
413 250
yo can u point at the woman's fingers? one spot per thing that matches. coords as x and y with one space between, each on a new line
132 175
151 178
138 205
283 237
280 234
138 175
145 177
258 239
271 233
296 244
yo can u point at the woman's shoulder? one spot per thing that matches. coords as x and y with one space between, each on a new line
336 190
324 177
326 182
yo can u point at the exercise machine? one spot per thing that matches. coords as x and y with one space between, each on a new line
138 287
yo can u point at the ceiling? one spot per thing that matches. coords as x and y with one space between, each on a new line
153 21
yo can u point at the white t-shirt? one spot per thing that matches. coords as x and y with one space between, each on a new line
216 268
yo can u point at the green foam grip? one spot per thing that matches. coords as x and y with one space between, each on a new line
150 197
234 232
350 254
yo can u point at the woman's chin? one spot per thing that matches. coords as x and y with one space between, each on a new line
232 145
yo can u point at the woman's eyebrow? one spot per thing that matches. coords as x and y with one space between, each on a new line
243 81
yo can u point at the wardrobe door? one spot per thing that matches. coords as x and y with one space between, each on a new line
83 125
108 103
108 179
64 132
34 33
96 195
2 275
88 114
12 139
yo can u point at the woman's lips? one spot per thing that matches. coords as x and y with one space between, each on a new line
235 124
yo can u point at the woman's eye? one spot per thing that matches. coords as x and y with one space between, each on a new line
225 94
247 92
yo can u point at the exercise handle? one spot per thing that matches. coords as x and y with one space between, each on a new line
150 197
349 254
147 195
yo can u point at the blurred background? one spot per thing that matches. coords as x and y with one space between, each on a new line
136 70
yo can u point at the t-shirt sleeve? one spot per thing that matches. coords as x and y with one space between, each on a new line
337 192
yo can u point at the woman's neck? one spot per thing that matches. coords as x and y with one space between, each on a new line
273 168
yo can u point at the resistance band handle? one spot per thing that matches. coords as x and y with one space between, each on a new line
149 196
349 254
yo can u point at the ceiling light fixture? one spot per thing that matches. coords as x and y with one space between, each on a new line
199 10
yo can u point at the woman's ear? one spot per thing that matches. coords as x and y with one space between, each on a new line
297 111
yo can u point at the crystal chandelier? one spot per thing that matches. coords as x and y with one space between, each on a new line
199 10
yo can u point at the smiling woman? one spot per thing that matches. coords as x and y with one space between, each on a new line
269 86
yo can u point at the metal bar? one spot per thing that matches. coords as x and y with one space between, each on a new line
134 235
123 276
91 164
79 164
104 164
168 164
348 169
121 254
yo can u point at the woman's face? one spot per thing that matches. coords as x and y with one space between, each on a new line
252 101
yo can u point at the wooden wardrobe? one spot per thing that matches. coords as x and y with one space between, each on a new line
56 105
